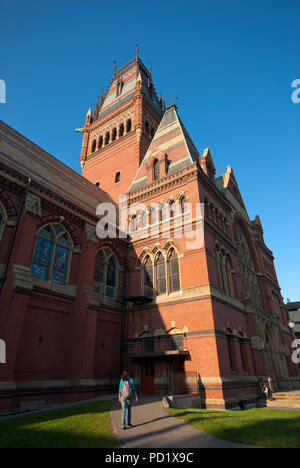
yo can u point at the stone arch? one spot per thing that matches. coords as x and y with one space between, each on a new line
8 204
66 224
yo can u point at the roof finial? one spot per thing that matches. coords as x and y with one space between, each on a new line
115 67
137 50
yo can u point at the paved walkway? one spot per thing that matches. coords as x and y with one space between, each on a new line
155 428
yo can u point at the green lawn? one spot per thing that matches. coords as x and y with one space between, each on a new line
87 425
259 427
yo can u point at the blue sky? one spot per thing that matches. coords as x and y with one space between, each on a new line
230 63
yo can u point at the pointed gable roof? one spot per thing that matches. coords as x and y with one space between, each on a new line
171 138
227 184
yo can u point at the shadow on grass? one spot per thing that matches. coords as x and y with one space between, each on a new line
257 427
81 426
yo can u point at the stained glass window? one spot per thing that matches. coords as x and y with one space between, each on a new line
42 255
99 273
51 255
111 277
106 273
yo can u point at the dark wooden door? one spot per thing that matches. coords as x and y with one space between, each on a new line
148 377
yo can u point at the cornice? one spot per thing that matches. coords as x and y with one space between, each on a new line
165 183
111 116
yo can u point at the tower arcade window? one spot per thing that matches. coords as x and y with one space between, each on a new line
107 137
143 219
128 126
121 130
94 146
100 142
172 208
114 134
133 224
52 254
183 205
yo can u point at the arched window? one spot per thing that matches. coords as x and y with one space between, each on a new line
52 254
107 137
133 224
106 273
143 219
164 211
148 277
172 208
121 130
183 205
160 270
117 177
229 277
111 278
114 134
231 350
99 272
94 146
3 220
100 142
128 126
173 271
156 174
153 215
218 259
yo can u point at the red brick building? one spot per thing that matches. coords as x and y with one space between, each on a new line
189 300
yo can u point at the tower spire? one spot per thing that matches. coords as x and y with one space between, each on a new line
101 99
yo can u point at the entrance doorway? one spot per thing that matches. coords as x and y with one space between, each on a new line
148 377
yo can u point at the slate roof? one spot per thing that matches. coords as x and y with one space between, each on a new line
129 74
171 138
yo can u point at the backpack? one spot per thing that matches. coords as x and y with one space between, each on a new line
125 390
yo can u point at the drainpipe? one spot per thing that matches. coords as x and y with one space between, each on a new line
13 238
124 311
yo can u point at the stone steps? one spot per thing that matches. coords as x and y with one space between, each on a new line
285 399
